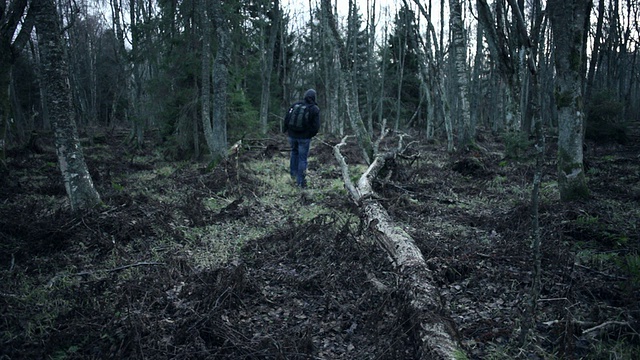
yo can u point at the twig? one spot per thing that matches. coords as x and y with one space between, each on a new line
383 132
606 324
119 268
346 177
11 295
615 277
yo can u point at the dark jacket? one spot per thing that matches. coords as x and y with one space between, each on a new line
313 124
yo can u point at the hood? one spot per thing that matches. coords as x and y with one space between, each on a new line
310 96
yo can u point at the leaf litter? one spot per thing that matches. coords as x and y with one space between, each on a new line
235 263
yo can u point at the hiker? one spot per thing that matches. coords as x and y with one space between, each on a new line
301 123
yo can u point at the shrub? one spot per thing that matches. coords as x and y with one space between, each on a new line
516 144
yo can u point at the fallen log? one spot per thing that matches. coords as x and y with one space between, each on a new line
435 334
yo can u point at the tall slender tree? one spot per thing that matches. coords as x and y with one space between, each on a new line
14 34
568 18
205 88
267 64
347 85
77 180
459 58
218 143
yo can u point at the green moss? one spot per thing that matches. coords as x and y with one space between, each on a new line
571 179
576 58
460 355
563 99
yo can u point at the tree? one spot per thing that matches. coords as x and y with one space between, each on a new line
459 58
402 66
347 84
434 339
218 140
567 24
434 59
205 88
267 64
77 180
14 34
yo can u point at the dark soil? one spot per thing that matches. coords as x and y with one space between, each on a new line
121 281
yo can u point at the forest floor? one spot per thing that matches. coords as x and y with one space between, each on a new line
187 262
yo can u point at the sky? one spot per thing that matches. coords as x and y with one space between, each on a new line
385 10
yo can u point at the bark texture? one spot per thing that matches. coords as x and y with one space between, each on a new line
205 96
435 335
77 180
567 24
459 52
218 145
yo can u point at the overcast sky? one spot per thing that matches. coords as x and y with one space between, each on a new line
385 10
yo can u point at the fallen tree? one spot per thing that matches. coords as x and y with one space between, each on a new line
434 332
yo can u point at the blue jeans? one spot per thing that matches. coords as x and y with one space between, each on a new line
298 161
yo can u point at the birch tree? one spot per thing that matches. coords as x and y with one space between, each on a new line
77 180
459 57
434 58
348 86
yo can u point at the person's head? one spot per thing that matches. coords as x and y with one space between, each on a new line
310 96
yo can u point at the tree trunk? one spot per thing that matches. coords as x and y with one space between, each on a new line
506 66
12 20
205 96
436 79
433 333
402 49
267 67
139 118
218 145
567 24
371 44
346 83
77 179
459 52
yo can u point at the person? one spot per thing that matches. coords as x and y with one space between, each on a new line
300 138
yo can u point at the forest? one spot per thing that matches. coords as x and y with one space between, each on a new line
473 191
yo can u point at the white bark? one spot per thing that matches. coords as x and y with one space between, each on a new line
434 334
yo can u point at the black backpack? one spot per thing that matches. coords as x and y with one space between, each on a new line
298 117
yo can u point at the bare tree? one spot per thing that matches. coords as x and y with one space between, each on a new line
503 56
218 142
77 179
267 65
434 59
458 54
568 18
205 88
14 34
348 86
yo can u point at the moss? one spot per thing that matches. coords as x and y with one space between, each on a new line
459 355
563 99
575 58
571 180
